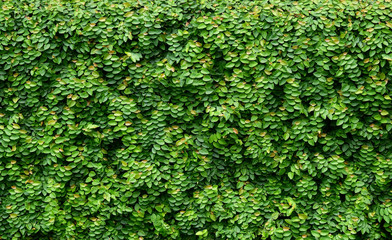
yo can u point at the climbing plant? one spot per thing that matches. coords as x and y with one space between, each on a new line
188 119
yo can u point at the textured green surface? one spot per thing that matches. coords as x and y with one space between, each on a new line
195 119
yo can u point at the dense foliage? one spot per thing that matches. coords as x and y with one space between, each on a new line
184 119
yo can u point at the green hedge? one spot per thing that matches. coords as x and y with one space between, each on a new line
184 119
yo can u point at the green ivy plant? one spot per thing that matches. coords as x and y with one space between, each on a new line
194 119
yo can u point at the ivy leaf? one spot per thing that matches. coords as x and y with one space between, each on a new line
135 57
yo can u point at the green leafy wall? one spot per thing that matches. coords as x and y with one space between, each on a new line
184 119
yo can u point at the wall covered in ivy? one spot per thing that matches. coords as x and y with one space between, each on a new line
185 119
